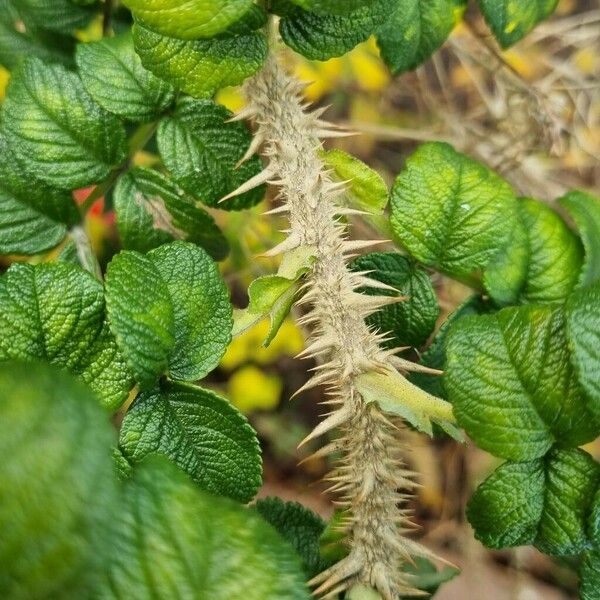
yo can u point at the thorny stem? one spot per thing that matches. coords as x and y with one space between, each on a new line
371 477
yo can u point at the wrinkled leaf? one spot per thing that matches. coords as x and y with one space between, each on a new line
594 520
449 211
152 210
122 467
113 75
299 526
396 395
272 296
511 383
333 7
540 263
33 216
175 541
61 16
583 333
201 67
16 45
201 433
425 576
543 502
54 312
585 211
201 151
435 355
57 483
57 131
188 19
506 273
366 188
590 575
415 30
412 321
321 37
169 310
511 20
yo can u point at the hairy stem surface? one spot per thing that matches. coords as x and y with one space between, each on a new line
370 477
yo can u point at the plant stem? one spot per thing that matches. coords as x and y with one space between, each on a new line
100 190
371 475
141 136
107 17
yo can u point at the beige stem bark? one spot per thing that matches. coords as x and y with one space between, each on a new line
371 477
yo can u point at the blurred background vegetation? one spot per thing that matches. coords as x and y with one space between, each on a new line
533 114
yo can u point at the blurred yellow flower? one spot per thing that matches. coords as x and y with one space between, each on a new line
368 69
4 77
251 389
231 98
248 346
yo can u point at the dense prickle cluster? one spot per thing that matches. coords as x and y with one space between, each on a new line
371 477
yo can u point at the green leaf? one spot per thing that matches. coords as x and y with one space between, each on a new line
273 295
201 150
61 16
332 542
333 7
54 312
113 75
510 21
58 132
269 296
594 520
449 211
415 30
121 465
169 310
422 575
412 321
590 575
513 389
16 45
69 253
397 396
426 577
201 67
33 216
435 356
542 502
321 37
506 273
552 258
188 19
299 526
201 433
584 209
583 333
363 592
176 541
507 507
366 188
152 210
141 314
57 483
